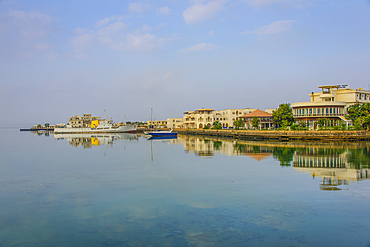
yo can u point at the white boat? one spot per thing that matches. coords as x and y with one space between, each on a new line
101 126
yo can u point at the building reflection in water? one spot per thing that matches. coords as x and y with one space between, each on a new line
90 140
337 165
334 165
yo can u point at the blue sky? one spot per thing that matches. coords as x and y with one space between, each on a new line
62 58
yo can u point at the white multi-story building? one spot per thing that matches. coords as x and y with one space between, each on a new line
331 103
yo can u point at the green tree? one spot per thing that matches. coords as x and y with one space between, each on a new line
255 122
284 113
207 126
216 125
360 115
238 123
47 125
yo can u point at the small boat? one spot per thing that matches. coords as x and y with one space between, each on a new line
161 133
149 137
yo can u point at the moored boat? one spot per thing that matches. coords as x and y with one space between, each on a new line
161 133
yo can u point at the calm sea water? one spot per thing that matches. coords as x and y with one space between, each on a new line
130 191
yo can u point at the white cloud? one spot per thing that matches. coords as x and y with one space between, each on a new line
111 33
273 28
81 41
261 3
164 11
42 46
146 28
29 25
200 47
142 42
26 34
106 20
102 22
138 7
200 12
28 17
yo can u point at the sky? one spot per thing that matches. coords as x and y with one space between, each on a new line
63 58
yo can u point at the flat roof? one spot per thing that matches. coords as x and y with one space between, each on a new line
329 86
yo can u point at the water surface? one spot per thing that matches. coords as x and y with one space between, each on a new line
129 191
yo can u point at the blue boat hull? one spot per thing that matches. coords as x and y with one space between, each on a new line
155 134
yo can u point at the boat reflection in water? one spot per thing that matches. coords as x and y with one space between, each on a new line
90 140
337 164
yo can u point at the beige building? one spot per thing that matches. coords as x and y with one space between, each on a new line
271 111
174 123
228 116
85 121
198 119
202 117
331 103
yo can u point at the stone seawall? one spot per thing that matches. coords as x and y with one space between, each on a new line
346 136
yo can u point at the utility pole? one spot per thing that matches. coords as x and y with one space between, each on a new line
151 117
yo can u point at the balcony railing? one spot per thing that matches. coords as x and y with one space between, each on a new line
319 115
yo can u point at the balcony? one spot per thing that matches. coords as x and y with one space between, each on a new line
319 115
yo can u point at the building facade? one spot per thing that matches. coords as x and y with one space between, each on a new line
331 103
264 118
206 117
79 122
174 123
157 124
228 116
198 119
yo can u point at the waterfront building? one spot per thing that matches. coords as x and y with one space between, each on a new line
79 122
331 103
202 117
157 124
228 116
174 123
265 119
75 122
198 119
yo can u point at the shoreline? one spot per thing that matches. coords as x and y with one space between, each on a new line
279 135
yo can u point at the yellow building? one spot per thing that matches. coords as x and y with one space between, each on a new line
331 103
157 124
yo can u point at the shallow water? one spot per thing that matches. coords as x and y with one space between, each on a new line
130 191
